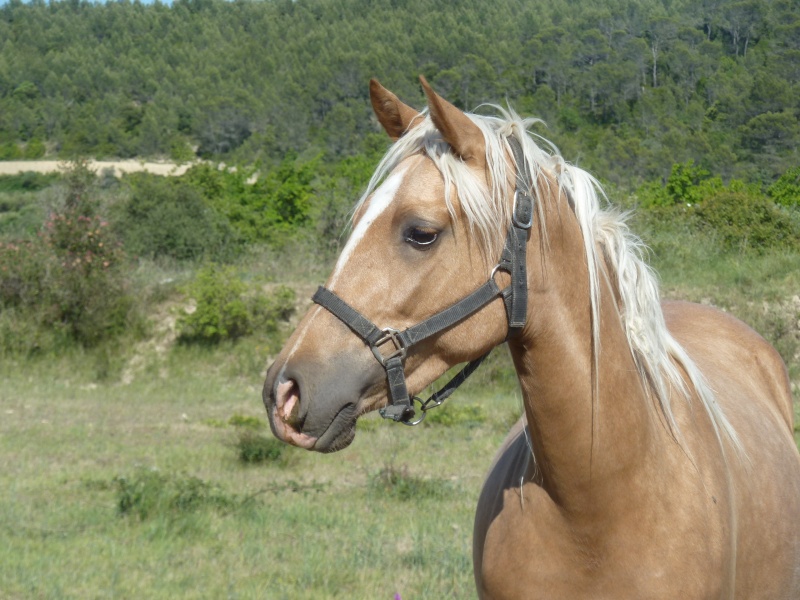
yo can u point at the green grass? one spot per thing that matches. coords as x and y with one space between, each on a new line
113 490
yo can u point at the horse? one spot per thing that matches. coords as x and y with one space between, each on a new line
655 457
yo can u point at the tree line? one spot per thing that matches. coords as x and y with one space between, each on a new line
627 88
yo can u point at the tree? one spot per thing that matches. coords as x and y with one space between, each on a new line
742 19
660 32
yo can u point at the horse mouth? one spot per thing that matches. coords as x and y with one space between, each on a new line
287 425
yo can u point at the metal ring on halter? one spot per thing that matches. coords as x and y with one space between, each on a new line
423 412
498 267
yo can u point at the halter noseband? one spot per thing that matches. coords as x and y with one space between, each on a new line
515 296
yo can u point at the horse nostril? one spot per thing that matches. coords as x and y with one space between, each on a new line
287 401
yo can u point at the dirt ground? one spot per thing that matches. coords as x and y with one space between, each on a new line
13 167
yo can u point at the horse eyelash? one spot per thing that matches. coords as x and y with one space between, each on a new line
409 237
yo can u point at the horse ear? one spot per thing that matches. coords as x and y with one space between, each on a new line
396 117
458 130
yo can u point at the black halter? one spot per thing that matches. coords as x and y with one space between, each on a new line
515 296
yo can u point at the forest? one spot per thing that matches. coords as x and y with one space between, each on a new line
626 88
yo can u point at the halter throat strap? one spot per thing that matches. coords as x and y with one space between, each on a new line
515 296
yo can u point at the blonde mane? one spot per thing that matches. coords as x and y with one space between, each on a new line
607 240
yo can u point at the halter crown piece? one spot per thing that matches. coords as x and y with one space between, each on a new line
512 260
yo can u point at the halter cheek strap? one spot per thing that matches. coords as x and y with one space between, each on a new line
515 296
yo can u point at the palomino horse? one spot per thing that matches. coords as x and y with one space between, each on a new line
657 460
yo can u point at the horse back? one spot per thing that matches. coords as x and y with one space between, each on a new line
730 352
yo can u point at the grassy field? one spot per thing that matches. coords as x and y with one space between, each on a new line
113 490
138 491
147 471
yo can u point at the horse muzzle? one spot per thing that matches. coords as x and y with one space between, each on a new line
315 406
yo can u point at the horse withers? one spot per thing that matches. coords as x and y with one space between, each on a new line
655 458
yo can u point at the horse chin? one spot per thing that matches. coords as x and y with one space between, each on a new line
339 442
340 433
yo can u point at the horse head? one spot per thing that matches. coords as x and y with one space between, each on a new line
426 234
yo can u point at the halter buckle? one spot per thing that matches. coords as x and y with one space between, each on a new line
393 335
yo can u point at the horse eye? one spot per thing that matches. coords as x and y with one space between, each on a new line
422 238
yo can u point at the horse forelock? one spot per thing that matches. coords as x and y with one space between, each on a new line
607 241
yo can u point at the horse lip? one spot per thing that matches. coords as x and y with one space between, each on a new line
271 399
285 432
336 435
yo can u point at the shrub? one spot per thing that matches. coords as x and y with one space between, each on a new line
149 493
686 184
10 151
786 191
225 311
86 287
23 267
746 221
27 181
246 422
69 278
34 149
164 217
257 449
80 180
454 413
269 210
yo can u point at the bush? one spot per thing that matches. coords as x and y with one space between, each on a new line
257 449
399 484
453 413
68 279
246 422
164 217
786 191
149 493
23 268
744 221
10 151
27 181
269 210
81 182
686 184
87 286
225 311
34 149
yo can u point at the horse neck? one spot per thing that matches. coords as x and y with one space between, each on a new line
591 423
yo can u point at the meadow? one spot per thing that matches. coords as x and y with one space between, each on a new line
170 486
137 460
162 481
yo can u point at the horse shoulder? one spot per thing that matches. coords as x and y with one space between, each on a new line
519 534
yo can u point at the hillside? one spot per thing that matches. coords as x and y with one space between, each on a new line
627 88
